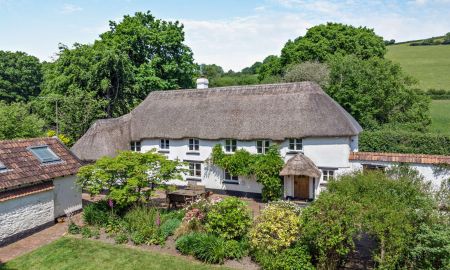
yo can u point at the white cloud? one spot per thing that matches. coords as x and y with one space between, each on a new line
239 42
70 8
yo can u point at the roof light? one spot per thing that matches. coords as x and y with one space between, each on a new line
44 154
3 167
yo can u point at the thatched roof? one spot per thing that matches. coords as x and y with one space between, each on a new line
300 165
273 111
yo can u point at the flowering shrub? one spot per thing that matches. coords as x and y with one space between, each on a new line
229 219
276 228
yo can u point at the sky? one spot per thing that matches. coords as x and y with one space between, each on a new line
233 34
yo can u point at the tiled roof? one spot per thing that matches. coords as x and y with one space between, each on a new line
400 158
23 168
25 191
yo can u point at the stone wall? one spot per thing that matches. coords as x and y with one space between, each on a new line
21 215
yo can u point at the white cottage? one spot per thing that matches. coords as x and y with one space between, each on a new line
37 185
314 133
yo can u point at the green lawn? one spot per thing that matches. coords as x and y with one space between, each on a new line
71 253
428 64
440 115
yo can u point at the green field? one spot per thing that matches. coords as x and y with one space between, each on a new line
440 116
71 253
428 64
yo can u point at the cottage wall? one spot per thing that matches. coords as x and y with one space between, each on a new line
327 152
428 171
67 195
23 214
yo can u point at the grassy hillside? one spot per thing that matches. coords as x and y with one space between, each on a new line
428 64
440 116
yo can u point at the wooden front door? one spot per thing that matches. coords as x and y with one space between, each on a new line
301 187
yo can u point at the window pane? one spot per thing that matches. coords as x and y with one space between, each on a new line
45 154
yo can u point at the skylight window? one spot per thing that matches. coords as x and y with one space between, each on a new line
3 167
44 154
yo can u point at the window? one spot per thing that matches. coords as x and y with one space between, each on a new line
44 154
164 144
193 144
195 169
230 146
295 144
327 175
262 146
230 178
135 146
3 167
373 167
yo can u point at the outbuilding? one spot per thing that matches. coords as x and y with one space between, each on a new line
37 185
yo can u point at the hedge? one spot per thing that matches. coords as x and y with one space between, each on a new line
404 142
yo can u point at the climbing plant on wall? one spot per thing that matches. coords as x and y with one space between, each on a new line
265 167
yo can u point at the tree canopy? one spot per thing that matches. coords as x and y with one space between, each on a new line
20 76
377 92
17 122
324 40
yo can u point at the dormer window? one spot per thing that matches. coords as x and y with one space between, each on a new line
164 144
3 168
295 144
230 146
262 146
44 154
194 144
135 146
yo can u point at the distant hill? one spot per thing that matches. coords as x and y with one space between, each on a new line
428 64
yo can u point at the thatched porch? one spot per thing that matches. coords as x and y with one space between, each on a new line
301 178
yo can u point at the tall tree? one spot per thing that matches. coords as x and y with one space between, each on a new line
136 56
17 122
377 92
333 38
20 76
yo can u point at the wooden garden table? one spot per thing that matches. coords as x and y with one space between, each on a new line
184 195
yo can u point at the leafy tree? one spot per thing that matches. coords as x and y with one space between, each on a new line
212 71
136 56
17 122
20 76
270 67
308 71
253 69
156 47
333 38
377 92
129 177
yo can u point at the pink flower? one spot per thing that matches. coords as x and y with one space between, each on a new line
111 204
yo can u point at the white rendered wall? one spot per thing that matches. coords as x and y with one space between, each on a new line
67 195
24 213
426 170
325 152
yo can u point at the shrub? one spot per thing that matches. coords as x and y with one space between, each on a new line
229 219
328 227
210 248
168 228
86 232
121 238
404 142
97 213
74 228
137 238
295 258
143 220
275 229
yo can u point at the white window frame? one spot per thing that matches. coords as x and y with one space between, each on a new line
265 144
194 168
295 144
194 144
229 178
230 145
328 174
164 144
135 146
